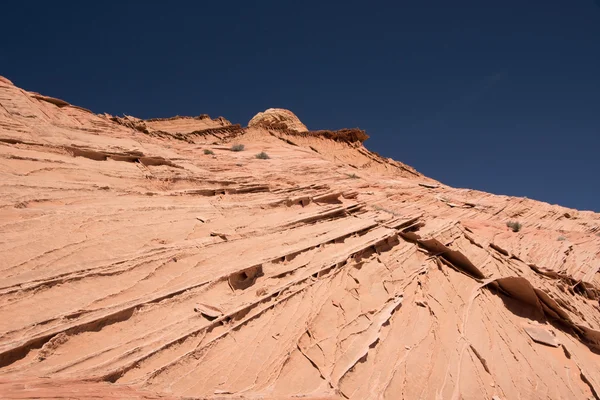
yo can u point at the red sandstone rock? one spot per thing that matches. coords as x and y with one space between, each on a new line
326 271
278 117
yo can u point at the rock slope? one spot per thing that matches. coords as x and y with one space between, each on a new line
145 259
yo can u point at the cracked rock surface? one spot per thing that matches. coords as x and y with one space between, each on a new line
135 264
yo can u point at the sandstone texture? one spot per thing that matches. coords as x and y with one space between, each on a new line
186 124
145 259
278 117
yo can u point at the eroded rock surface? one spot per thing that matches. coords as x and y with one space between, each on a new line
278 117
134 264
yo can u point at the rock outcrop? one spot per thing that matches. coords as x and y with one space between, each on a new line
186 124
145 259
278 118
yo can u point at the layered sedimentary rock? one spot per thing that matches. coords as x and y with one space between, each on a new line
278 117
186 124
135 265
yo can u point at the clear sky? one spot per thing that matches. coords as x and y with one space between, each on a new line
500 96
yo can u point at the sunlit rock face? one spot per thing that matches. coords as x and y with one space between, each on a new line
147 259
278 117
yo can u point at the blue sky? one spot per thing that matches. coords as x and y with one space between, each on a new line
497 96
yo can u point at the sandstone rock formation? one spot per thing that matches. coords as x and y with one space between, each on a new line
186 124
134 265
278 117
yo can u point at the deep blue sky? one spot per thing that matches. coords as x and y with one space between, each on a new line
501 96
